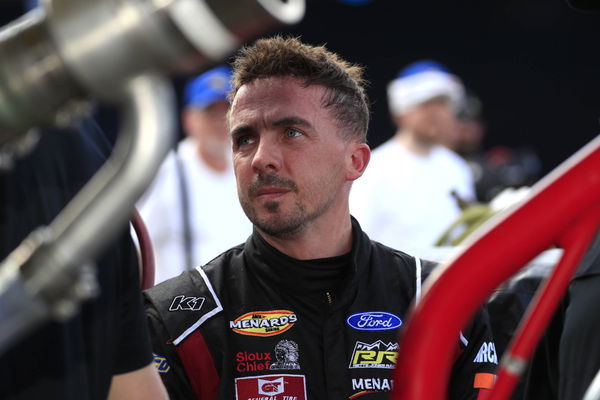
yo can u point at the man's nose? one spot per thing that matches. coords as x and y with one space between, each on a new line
267 157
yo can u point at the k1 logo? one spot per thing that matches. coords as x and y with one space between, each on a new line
183 303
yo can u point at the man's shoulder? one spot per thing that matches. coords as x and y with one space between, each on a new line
383 250
186 302
401 260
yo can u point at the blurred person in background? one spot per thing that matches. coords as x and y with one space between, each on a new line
502 175
414 186
505 167
103 351
191 209
499 167
467 136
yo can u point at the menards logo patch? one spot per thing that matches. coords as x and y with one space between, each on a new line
264 323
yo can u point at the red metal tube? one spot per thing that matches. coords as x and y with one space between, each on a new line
147 267
496 253
575 242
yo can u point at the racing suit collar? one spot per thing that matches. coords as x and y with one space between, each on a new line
303 276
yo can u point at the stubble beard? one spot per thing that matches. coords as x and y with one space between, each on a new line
275 222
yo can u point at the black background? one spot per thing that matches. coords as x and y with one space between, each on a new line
535 64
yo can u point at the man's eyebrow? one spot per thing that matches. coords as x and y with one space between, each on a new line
285 121
240 130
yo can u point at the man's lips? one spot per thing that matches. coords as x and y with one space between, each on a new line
271 192
270 186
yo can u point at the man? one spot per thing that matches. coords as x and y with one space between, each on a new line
308 280
103 352
196 185
412 190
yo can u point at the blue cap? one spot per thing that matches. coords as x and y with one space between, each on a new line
422 66
208 88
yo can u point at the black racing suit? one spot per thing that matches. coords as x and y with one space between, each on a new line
254 324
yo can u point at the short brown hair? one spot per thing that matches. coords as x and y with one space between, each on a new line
279 57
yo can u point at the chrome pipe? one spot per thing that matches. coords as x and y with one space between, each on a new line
52 62
57 57
45 272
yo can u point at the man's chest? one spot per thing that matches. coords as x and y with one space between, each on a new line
283 353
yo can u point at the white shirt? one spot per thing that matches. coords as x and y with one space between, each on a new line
403 199
217 221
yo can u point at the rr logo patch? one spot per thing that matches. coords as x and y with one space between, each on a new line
374 355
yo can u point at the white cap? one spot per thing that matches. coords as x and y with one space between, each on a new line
423 81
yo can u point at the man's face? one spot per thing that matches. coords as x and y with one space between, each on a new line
289 158
430 121
209 123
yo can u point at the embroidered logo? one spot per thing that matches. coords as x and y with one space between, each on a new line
371 385
374 355
161 364
286 355
263 323
280 387
184 303
253 361
374 321
487 353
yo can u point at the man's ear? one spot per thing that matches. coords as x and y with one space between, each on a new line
359 159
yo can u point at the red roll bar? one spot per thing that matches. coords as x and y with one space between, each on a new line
146 259
563 209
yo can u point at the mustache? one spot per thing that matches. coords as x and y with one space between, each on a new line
271 180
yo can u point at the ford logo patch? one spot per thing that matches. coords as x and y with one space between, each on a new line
374 321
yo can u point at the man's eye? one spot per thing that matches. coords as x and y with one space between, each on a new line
292 132
244 140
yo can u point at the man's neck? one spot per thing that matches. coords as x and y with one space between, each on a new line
410 141
315 241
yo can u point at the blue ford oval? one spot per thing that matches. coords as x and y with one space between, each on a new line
374 321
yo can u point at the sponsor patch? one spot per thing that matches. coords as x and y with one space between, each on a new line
271 387
374 355
372 384
161 364
286 355
186 303
484 381
253 361
374 321
487 353
264 323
